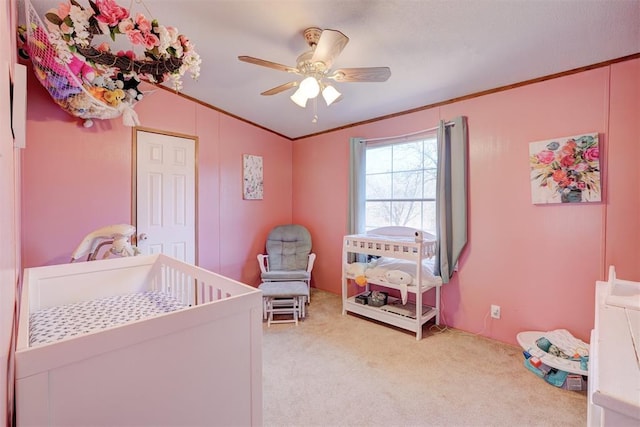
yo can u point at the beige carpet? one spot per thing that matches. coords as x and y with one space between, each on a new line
335 370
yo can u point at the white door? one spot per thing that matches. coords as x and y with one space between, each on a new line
165 195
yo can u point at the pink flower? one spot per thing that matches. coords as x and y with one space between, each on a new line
174 42
150 41
184 41
135 36
581 185
128 54
125 26
64 9
545 156
592 154
143 23
580 167
567 161
103 47
110 13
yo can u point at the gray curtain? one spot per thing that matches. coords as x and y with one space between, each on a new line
451 197
357 188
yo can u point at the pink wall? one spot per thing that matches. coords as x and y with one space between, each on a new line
623 209
244 224
77 179
539 263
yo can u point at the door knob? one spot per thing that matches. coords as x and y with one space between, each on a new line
143 236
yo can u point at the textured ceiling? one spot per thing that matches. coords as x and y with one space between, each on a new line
437 50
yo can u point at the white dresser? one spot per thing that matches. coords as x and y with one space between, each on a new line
614 367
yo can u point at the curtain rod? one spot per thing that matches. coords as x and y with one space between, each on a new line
406 135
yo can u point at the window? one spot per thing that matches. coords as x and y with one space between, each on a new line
401 184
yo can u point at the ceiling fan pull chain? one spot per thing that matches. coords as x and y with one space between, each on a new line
315 110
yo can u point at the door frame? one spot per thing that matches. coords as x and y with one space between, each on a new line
134 180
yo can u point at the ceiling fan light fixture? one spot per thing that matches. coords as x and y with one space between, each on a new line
330 94
299 98
310 87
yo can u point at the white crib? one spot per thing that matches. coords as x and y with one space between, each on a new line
200 364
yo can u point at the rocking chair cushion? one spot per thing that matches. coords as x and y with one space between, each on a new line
288 247
286 275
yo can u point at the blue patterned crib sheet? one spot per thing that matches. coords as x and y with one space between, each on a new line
55 323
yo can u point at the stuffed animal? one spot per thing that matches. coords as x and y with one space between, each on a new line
104 82
53 75
81 105
58 86
358 270
355 268
130 86
80 68
23 49
97 92
42 52
398 277
361 280
114 97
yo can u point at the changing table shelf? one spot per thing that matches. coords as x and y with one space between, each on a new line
398 320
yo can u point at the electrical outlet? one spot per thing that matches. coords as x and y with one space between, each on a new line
495 311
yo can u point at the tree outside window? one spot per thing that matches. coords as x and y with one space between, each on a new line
401 184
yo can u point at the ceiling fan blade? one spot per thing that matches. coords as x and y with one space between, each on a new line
280 88
269 64
366 74
329 46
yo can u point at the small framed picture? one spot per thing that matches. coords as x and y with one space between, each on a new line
252 177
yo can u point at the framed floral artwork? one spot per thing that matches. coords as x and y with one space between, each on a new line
565 170
252 177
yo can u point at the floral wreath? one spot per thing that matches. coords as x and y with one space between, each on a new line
91 81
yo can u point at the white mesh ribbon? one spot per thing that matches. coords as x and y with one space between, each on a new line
70 80
129 116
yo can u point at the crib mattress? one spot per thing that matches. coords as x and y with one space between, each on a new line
56 323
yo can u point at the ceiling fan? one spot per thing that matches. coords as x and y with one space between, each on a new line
315 68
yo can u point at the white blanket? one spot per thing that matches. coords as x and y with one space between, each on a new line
377 270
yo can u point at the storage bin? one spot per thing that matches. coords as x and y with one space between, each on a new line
377 298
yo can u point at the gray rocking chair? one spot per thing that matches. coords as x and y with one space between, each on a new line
289 257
